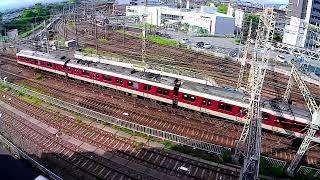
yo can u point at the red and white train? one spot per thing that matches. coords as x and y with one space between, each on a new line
212 100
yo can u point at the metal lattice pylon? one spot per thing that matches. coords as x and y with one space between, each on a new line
251 134
243 59
314 125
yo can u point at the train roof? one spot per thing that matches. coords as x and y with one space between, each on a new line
104 68
223 94
230 96
43 56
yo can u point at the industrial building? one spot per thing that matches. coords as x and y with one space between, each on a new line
205 19
300 12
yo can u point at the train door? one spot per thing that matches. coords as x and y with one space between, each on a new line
175 93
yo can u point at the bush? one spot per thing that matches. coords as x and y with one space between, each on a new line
226 155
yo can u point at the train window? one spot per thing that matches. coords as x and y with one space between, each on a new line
166 92
69 69
75 70
209 102
159 90
204 101
107 78
27 59
56 66
221 106
49 64
185 96
95 76
281 120
147 87
265 116
36 61
228 108
192 99
85 73
63 67
42 62
135 85
119 81
130 83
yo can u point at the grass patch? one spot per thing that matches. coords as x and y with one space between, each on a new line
162 41
102 40
40 77
25 97
137 145
236 41
27 33
89 50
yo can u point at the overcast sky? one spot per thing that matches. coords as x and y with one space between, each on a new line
8 4
5 4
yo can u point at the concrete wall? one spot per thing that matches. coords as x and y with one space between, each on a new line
224 26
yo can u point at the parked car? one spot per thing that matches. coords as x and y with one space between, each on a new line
280 58
207 45
200 44
185 41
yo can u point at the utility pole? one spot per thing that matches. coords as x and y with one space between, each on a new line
65 34
96 36
144 33
123 36
76 24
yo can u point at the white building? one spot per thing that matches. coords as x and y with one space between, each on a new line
136 2
205 18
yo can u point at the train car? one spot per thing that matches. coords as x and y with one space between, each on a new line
228 104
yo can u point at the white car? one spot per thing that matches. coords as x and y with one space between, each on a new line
185 41
280 58
207 46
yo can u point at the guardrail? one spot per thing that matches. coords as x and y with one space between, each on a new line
29 159
213 148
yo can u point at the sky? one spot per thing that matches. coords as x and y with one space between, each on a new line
9 4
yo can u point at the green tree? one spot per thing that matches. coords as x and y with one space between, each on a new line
222 9
27 14
38 9
72 1
255 22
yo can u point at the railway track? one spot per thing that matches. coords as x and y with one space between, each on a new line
225 71
164 162
191 125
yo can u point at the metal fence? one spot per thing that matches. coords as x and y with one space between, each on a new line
275 162
22 154
213 148
150 131
308 171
